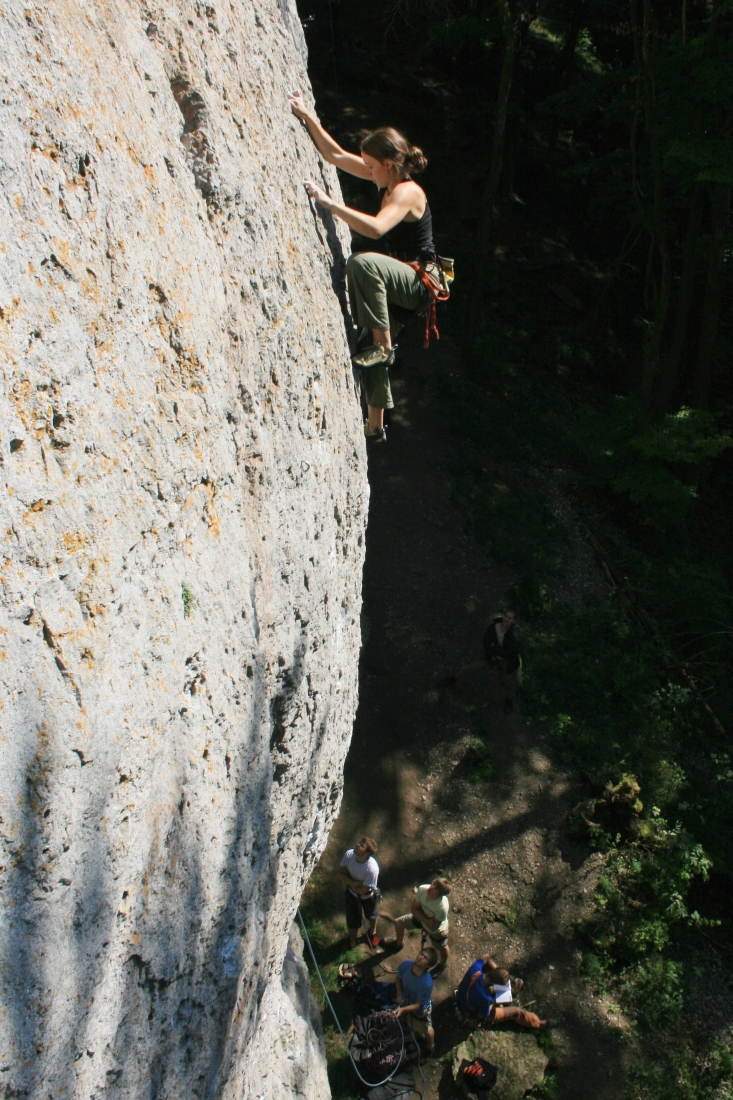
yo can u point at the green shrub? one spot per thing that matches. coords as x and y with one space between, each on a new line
652 990
479 768
530 598
547 1089
686 1074
337 1062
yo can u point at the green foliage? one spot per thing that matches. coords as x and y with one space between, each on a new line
640 899
529 597
685 1074
659 468
656 487
545 1041
189 599
464 30
337 1062
479 768
595 684
548 1089
653 988
511 917
686 436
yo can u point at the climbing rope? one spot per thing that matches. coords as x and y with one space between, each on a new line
379 1030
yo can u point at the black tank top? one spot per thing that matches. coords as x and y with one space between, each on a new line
409 240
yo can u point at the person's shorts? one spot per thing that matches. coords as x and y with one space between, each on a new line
440 939
421 1021
376 387
355 906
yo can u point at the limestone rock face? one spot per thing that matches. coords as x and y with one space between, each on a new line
183 510
289 1048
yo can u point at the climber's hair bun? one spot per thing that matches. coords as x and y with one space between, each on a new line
389 144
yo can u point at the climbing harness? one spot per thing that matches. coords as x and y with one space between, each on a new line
369 1084
436 277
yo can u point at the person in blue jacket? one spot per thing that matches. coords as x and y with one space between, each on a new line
481 987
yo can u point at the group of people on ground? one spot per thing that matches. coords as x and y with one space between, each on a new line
484 995
384 289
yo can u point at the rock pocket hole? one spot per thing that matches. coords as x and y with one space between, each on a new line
191 105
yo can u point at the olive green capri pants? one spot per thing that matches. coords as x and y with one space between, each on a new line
375 282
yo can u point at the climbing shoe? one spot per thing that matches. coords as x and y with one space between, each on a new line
374 356
374 435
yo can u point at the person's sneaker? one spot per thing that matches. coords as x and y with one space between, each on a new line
508 706
374 435
373 940
374 356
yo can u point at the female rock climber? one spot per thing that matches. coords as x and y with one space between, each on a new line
378 279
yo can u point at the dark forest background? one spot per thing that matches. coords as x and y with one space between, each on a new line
580 172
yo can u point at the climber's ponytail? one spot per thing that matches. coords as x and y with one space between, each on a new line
415 161
389 144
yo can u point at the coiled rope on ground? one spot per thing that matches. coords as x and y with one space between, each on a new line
380 1027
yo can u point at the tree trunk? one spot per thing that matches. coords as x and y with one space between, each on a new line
672 369
662 285
512 136
497 145
565 61
672 372
720 197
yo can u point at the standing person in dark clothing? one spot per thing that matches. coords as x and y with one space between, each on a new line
501 650
380 278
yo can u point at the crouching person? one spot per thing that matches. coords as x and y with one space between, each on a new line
429 914
415 994
485 993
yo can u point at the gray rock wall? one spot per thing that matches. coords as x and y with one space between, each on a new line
183 509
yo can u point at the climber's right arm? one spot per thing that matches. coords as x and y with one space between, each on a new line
329 149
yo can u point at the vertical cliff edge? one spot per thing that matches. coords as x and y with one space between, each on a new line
183 511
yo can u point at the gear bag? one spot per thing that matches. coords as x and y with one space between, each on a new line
479 1076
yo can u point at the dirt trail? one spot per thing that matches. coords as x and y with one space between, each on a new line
519 885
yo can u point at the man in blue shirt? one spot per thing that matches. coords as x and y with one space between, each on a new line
478 992
415 992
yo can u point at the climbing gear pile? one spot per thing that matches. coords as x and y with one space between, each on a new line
369 1084
378 1044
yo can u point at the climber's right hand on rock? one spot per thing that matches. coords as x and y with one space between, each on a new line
316 192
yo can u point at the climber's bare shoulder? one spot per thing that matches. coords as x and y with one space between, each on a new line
409 198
